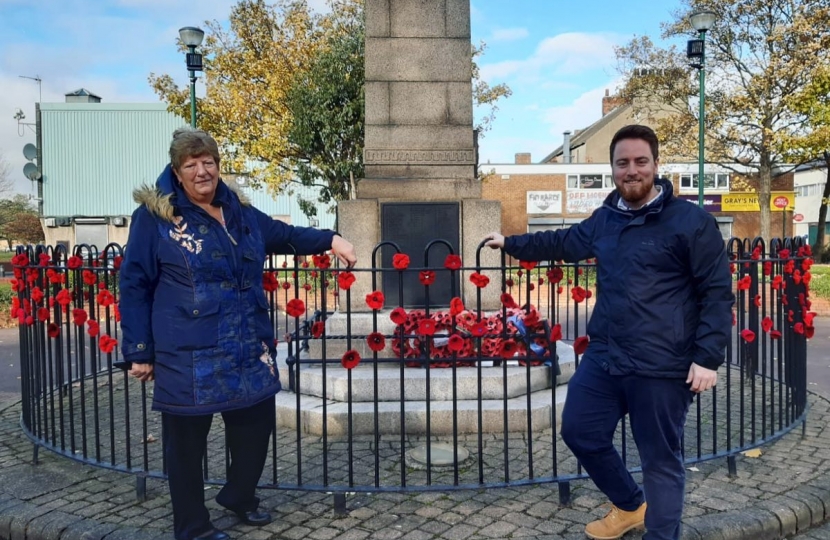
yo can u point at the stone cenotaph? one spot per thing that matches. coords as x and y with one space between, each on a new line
420 180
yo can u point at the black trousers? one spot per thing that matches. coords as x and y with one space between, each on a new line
185 440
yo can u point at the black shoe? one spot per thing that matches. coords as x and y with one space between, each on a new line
213 534
255 518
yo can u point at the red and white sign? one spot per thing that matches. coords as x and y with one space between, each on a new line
780 202
798 218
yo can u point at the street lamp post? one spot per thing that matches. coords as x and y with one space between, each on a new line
192 38
702 21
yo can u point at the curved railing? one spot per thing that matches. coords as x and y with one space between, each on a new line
480 382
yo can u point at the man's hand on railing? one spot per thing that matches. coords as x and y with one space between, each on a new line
494 241
343 250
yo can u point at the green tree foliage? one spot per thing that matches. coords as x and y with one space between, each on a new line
19 221
759 53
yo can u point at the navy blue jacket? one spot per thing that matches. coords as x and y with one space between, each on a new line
664 290
192 302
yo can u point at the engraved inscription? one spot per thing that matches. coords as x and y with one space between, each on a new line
419 157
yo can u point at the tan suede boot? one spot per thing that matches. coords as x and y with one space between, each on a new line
616 523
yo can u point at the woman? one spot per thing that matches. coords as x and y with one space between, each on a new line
195 320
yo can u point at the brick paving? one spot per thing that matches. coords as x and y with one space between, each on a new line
780 493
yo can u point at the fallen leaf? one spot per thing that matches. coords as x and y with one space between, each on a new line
754 453
693 469
151 438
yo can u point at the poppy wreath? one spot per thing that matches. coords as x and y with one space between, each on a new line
523 335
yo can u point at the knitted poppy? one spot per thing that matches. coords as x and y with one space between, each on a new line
748 335
452 262
426 277
528 265
581 344
350 359
766 324
455 343
400 261
456 306
426 327
556 332
295 307
345 280
398 315
53 330
375 300
74 262
317 329
479 280
376 341
508 301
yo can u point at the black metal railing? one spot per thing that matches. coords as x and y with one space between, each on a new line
381 395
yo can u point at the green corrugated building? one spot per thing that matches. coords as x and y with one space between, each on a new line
94 154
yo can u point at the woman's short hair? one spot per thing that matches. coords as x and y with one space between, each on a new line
189 142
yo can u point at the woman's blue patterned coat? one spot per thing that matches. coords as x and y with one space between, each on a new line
192 301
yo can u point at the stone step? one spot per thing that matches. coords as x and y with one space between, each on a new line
542 402
334 385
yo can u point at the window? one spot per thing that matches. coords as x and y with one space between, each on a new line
710 181
590 181
811 189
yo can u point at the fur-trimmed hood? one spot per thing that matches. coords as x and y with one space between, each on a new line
161 199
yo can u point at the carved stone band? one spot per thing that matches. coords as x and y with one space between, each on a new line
419 157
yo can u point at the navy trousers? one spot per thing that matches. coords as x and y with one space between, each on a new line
657 410
185 439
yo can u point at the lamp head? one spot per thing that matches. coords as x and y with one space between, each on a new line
18 115
191 36
703 20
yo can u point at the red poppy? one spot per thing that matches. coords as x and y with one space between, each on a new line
317 329
321 261
31 320
455 343
509 283
806 278
105 298
116 262
531 319
520 273
426 327
578 294
748 335
64 298
555 275
305 264
767 268
44 259
581 344
541 281
426 277
269 281
400 261
452 262
345 280
79 316
37 295
528 265
556 332
808 318
74 262
766 324
398 315
89 277
286 285
784 254
295 307
43 314
757 300
376 341
107 344
94 327
809 331
508 348
774 334
508 301
20 259
53 330
375 300
479 280
350 359
479 329
116 313
798 328
307 287
456 306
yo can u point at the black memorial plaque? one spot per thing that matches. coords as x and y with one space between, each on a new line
412 226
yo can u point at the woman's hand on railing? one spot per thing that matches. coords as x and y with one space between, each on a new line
142 372
343 250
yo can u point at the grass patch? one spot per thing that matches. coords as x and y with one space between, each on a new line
820 284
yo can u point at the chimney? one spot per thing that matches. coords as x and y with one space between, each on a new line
609 103
523 158
566 147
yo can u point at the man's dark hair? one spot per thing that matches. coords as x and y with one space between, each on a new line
636 131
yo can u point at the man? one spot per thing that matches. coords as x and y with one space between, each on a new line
657 334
